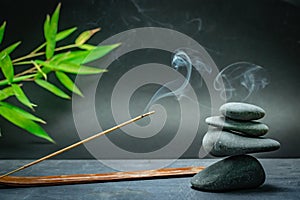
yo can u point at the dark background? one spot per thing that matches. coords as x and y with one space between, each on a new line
264 32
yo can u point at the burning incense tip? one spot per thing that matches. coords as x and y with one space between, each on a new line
148 113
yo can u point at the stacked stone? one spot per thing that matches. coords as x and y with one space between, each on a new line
235 134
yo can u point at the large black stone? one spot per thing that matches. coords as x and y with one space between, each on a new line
232 173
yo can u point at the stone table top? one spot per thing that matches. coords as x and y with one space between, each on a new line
282 182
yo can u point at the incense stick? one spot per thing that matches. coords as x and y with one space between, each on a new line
78 143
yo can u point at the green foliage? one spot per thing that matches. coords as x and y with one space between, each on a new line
11 48
22 112
45 59
23 122
6 92
6 66
67 82
70 67
83 37
52 88
99 51
62 35
50 31
2 28
20 95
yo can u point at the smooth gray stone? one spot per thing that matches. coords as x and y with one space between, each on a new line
251 128
242 111
224 143
232 173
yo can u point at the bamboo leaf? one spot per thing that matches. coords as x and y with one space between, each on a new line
60 57
6 92
54 18
63 34
21 96
24 123
71 68
68 83
22 112
51 31
12 47
99 52
6 66
45 64
76 57
50 47
52 88
2 29
87 47
79 69
17 79
84 36
81 57
47 26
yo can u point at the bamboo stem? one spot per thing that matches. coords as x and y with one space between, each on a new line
35 54
78 143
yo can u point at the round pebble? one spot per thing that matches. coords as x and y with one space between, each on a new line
242 111
224 143
251 128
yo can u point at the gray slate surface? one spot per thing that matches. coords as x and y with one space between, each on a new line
282 182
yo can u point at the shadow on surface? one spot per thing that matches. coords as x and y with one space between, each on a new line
267 188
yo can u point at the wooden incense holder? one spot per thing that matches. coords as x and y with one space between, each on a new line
19 181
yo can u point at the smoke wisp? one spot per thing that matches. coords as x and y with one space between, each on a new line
183 60
241 80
